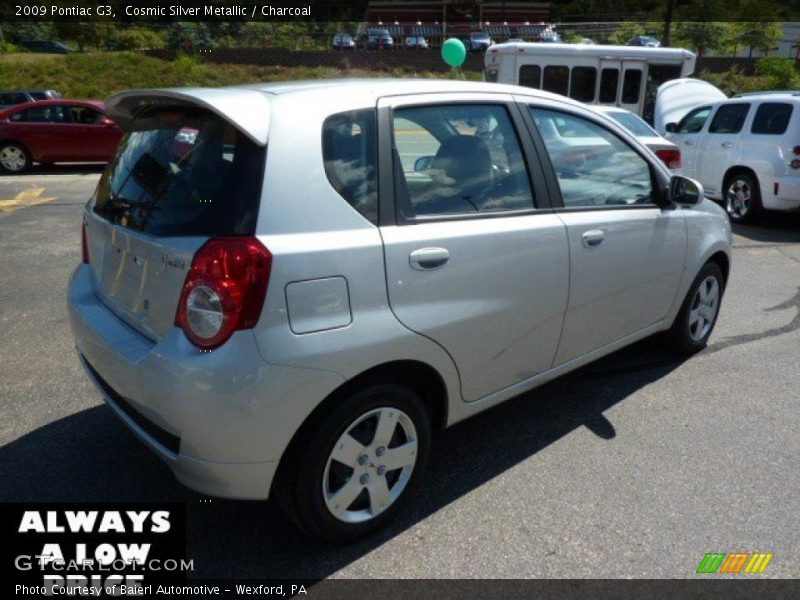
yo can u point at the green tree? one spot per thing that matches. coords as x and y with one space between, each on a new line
85 35
701 36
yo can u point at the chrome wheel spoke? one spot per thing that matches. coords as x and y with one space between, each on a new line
347 450
341 500
378 490
401 456
387 423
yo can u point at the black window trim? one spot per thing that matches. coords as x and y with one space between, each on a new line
389 212
659 182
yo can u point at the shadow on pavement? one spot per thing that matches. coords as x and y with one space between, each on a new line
91 457
773 227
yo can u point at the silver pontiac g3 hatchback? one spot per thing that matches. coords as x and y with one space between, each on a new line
287 289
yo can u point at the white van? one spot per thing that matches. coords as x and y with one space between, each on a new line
744 150
626 76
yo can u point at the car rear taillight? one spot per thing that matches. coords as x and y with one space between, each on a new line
224 290
796 149
84 245
670 157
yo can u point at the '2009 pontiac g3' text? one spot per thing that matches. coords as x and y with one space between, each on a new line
287 289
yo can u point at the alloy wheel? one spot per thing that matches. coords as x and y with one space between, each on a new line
13 158
739 199
370 465
705 305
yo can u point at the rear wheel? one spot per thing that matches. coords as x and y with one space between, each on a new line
698 315
14 158
742 198
353 469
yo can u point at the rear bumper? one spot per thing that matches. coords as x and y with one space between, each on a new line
788 197
220 420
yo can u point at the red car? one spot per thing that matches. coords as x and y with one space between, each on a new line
53 131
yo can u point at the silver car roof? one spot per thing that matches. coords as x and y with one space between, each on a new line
247 107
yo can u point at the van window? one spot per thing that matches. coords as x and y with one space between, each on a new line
556 80
772 118
491 75
729 118
530 76
183 172
609 81
349 152
582 83
694 120
631 85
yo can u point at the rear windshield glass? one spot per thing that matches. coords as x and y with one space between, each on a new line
632 123
183 172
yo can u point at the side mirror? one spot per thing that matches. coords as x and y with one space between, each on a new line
671 127
423 163
683 190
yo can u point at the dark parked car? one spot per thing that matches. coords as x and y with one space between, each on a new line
477 41
647 41
343 41
379 38
53 46
12 98
51 131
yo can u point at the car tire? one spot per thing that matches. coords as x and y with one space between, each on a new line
14 158
698 314
742 198
340 456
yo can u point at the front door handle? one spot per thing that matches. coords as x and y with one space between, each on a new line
727 144
427 259
689 143
593 237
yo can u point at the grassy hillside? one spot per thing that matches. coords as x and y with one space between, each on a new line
96 75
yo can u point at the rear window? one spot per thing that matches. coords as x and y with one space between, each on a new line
183 172
350 155
772 118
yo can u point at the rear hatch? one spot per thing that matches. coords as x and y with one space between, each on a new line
183 174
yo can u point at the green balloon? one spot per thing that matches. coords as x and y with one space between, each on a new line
453 52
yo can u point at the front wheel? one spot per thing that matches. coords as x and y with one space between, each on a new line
698 315
353 469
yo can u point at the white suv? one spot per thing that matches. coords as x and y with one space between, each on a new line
745 151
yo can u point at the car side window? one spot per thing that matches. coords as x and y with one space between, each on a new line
772 118
594 167
693 121
83 115
458 160
44 114
350 156
729 118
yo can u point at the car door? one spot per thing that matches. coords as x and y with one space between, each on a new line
475 260
719 148
626 251
41 129
688 132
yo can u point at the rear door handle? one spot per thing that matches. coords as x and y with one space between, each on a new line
688 143
593 237
427 259
727 144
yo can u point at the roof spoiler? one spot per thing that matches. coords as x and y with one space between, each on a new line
245 109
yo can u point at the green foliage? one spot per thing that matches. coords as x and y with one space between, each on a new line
99 74
137 38
780 73
701 36
7 48
733 81
84 35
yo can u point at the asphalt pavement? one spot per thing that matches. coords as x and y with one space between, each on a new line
635 466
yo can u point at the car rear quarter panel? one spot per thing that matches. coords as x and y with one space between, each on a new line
314 234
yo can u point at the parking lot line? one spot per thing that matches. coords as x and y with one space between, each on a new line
27 197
